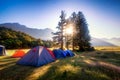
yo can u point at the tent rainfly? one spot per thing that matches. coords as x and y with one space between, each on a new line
37 56
18 54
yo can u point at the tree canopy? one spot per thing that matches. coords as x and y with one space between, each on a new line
73 30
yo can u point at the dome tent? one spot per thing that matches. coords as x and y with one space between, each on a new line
69 53
37 56
59 53
18 54
2 50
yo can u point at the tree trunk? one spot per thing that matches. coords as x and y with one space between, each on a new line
81 46
73 45
62 44
62 38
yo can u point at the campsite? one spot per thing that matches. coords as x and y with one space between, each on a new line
59 40
97 65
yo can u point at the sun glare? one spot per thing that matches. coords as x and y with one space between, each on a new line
69 30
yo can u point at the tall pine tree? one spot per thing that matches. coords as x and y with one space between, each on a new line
80 33
59 34
82 36
73 19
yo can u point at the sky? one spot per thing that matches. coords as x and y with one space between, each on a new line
102 16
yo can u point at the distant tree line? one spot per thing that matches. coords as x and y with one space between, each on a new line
79 38
15 39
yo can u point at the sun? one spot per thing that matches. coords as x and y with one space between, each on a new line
69 30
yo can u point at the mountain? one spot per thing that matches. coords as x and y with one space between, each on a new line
44 34
115 41
100 42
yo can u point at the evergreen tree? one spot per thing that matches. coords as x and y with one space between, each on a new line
82 36
73 19
59 34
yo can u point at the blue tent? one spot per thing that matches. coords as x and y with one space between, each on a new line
2 50
37 56
59 53
69 53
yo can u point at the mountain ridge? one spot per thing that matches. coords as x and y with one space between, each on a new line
36 33
115 41
100 42
45 34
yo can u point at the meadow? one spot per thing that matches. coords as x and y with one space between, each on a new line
102 64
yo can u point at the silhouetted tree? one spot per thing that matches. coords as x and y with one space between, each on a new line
82 36
73 19
59 34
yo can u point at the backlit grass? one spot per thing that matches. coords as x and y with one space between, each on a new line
108 48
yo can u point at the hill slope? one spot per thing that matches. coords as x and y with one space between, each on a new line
115 41
44 34
100 42
13 39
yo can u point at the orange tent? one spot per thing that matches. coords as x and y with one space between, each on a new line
18 53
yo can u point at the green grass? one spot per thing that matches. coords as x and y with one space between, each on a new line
97 65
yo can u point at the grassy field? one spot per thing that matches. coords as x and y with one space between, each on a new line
107 48
96 65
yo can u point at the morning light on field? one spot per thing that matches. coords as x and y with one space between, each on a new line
59 40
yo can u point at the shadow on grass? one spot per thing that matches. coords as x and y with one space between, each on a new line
75 70
6 64
109 70
10 71
15 72
71 72
110 56
8 59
